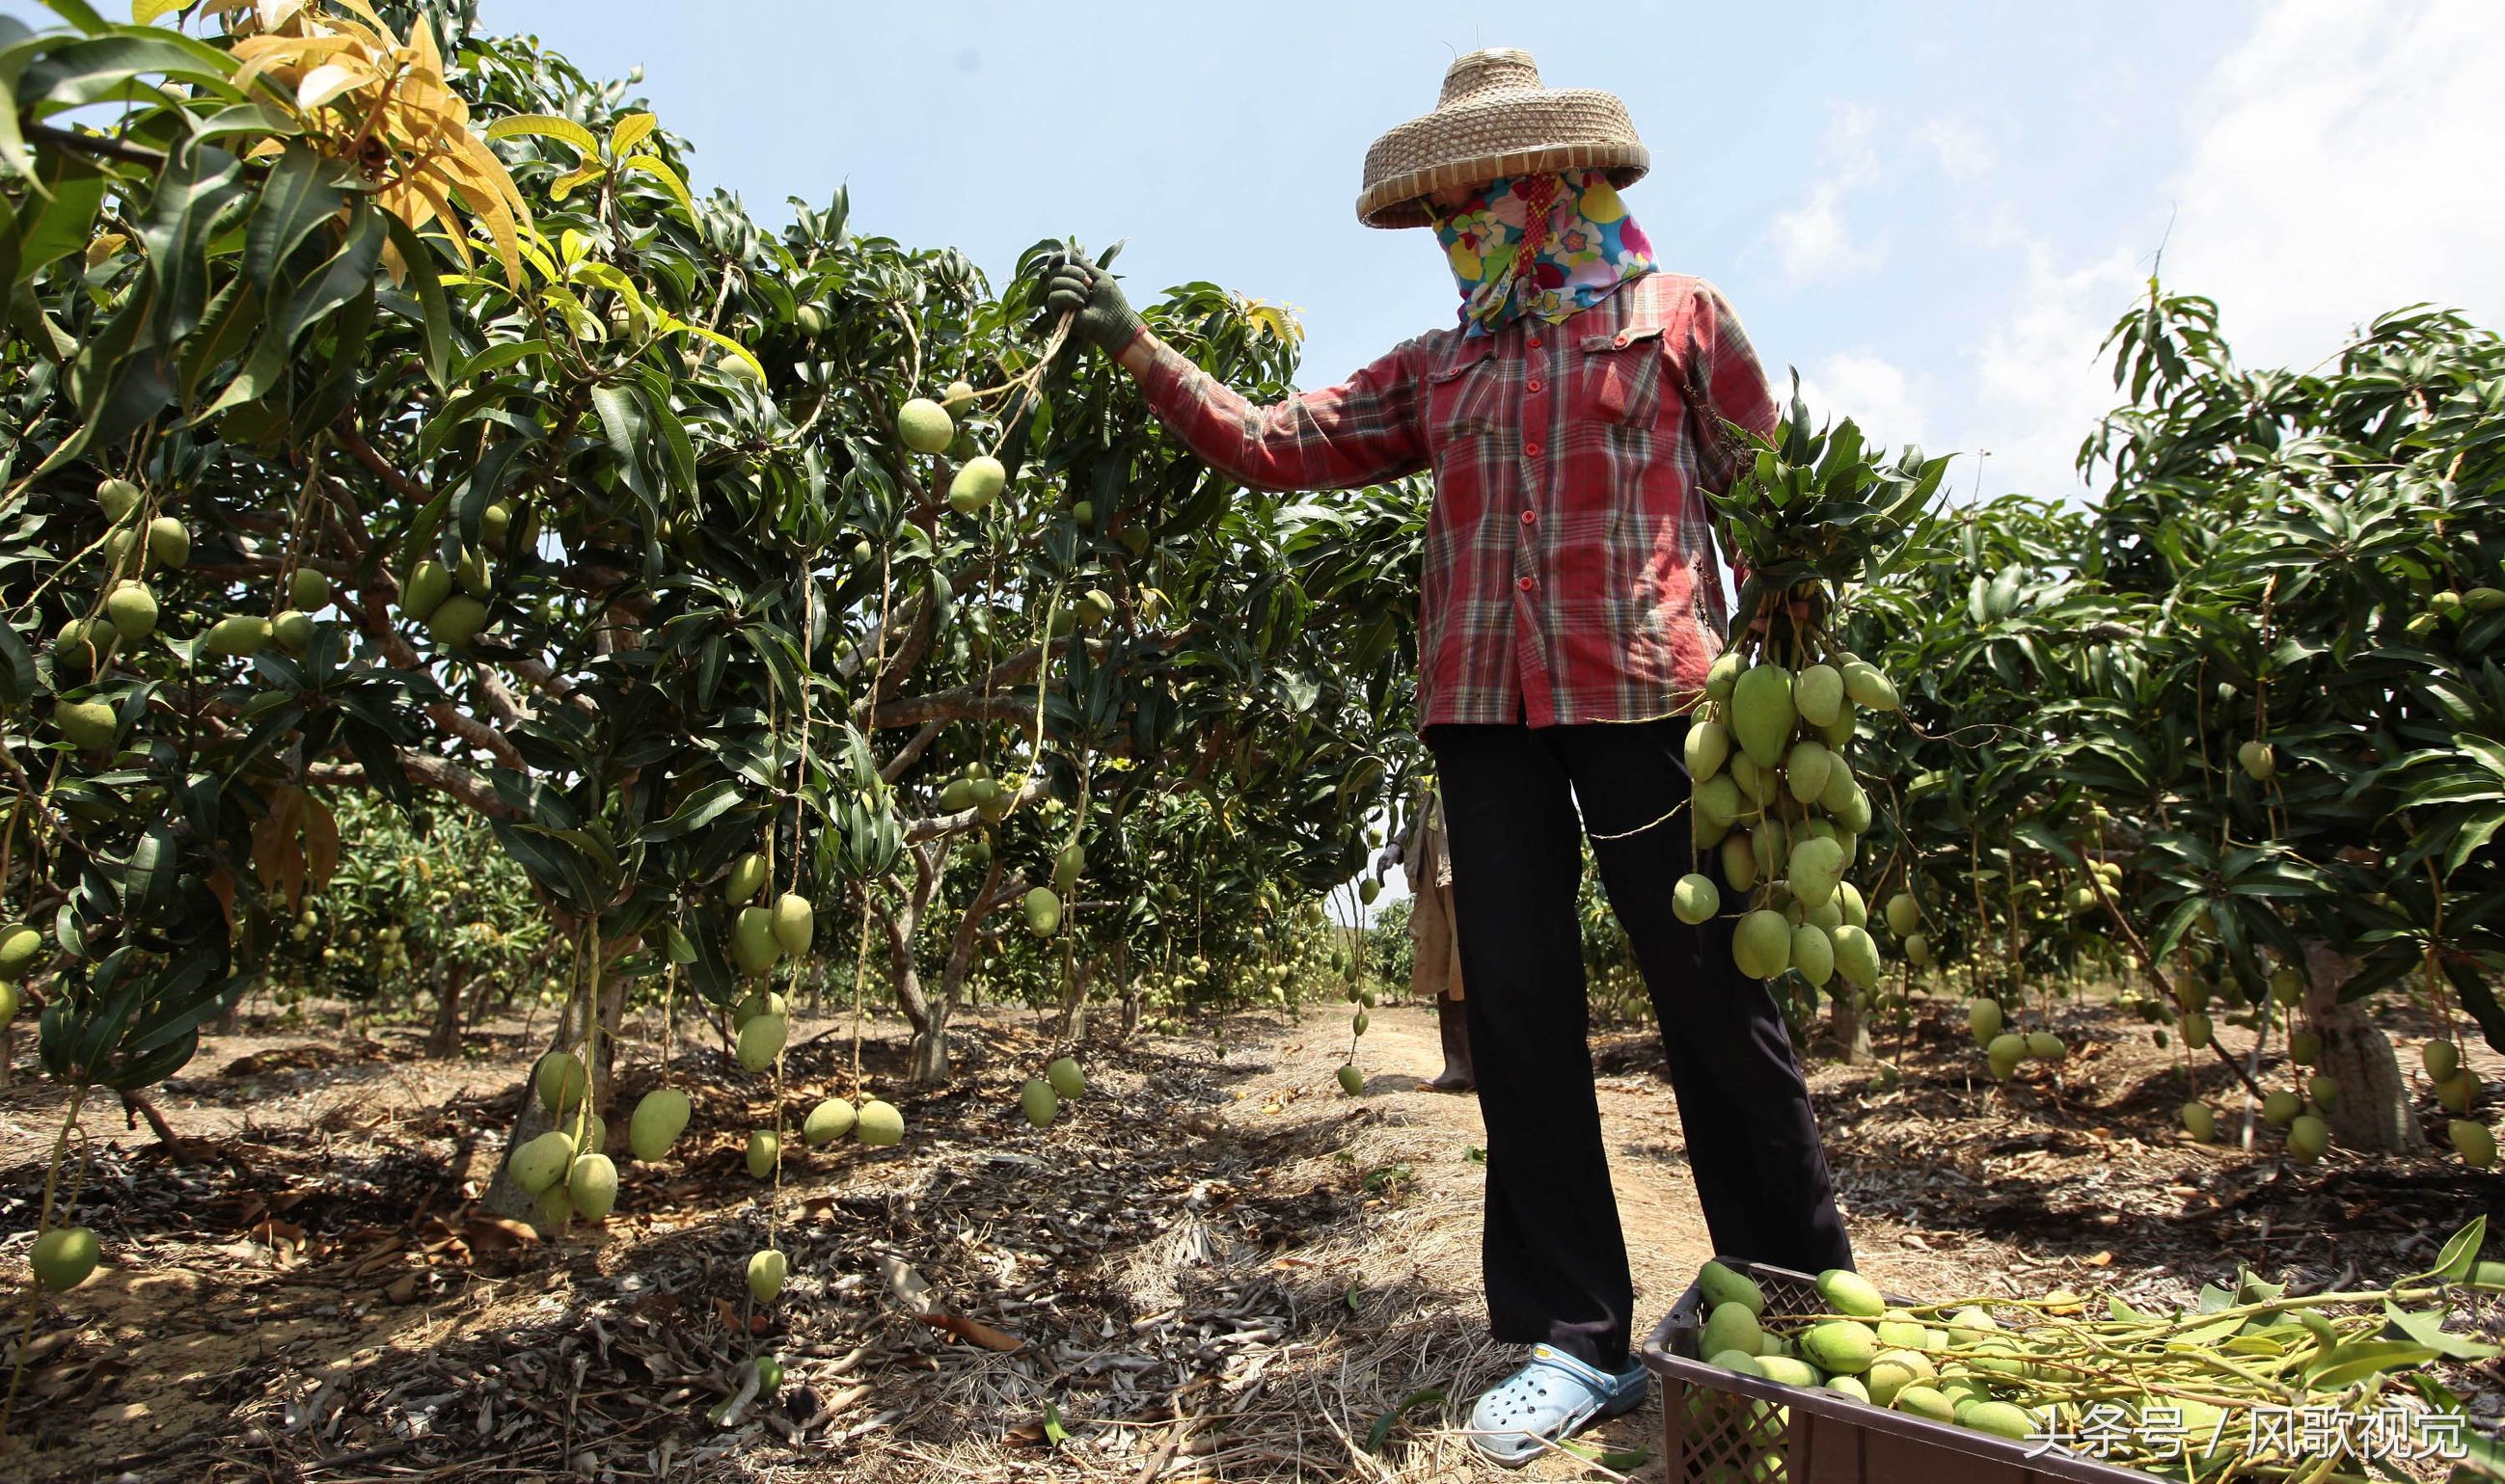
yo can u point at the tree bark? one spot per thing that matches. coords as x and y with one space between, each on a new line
444 1037
2374 1108
1073 1006
928 1056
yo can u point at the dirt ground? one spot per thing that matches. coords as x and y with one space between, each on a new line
1214 1266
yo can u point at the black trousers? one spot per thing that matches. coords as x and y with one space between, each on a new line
1554 1255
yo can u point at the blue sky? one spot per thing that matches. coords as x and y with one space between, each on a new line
1932 209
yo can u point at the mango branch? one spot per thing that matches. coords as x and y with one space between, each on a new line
441 774
2148 965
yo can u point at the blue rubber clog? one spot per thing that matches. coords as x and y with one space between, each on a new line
1554 1396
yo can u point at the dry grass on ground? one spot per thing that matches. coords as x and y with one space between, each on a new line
1211 1268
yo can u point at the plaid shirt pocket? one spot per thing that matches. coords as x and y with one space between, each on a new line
1622 375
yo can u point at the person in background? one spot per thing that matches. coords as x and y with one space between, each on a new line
1571 604
1435 958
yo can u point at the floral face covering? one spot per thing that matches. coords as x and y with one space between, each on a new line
1550 246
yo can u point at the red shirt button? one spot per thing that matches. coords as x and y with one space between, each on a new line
1532 449
1530 517
1533 340
1524 584
1534 383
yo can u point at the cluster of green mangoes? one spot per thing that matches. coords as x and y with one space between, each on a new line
760 935
973 788
2005 1049
1861 1348
1351 1080
2449 607
2456 1090
929 427
136 543
452 603
1042 1097
2303 1109
20 946
1772 787
2059 1360
569 1174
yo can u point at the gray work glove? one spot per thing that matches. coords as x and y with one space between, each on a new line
1106 318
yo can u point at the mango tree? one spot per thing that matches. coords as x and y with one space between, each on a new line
366 447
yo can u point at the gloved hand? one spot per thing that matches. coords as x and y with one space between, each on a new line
1106 318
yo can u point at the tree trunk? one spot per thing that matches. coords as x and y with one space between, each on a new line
1131 1003
1073 1006
444 1037
2373 1109
478 1001
1847 1030
927 1057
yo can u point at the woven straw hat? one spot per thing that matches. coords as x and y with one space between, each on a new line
1496 118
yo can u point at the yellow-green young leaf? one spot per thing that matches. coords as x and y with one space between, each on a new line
599 275
564 185
1276 321
587 325
602 275
755 367
651 165
144 13
534 251
2454 1263
547 126
630 133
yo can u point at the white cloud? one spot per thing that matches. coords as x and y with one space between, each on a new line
1959 150
2344 162
1890 404
2338 164
2039 387
1812 239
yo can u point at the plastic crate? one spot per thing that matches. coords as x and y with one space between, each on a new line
1723 1428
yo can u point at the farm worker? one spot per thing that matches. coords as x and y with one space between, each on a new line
1571 602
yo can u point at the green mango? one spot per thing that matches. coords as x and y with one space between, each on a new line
767 1271
1723 1284
1732 1326
1066 1080
1846 1292
829 1120
762 1040
1762 712
660 1117
878 1124
592 1186
63 1256
543 1162
764 1152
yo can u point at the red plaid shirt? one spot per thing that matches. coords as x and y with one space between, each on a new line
1570 570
